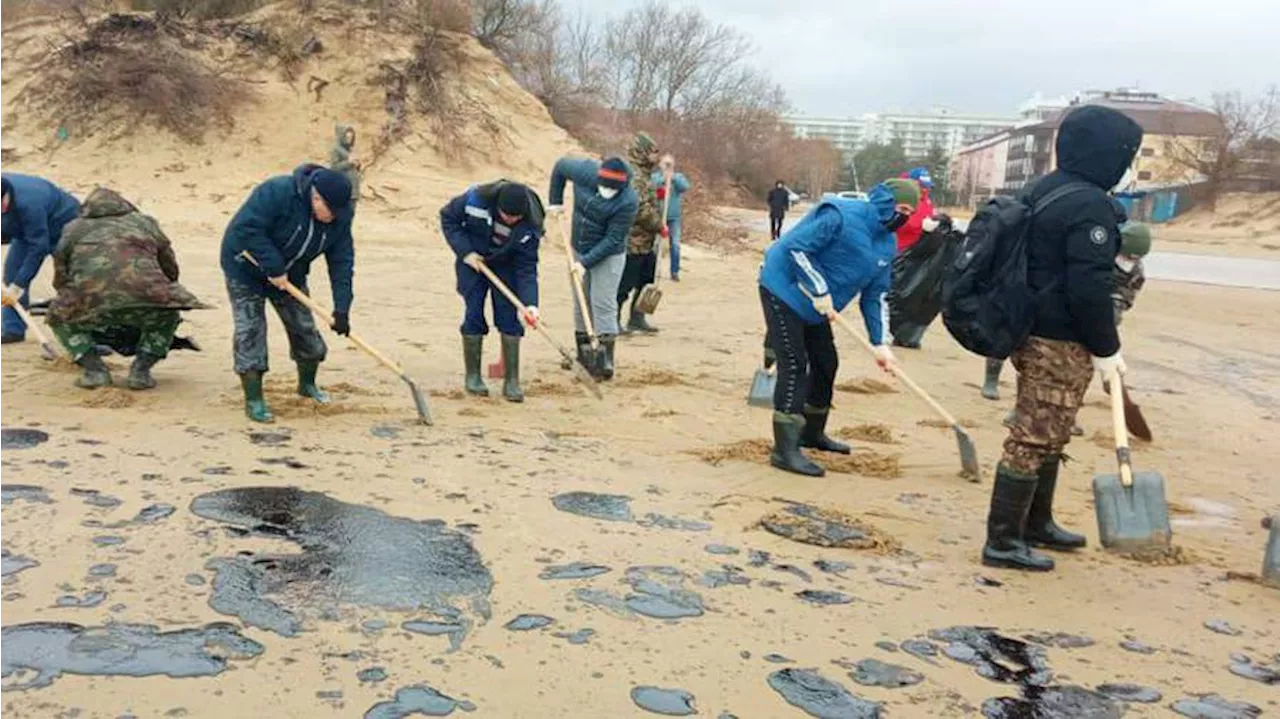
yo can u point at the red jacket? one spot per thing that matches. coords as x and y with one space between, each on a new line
910 233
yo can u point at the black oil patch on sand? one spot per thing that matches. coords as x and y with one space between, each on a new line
610 507
418 699
668 702
351 555
11 564
9 493
20 438
818 696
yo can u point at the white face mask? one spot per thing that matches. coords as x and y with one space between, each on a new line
1125 263
607 193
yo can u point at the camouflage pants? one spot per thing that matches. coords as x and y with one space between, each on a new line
1052 378
249 339
156 327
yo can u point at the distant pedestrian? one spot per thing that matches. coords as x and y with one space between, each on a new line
342 159
779 202
647 229
675 205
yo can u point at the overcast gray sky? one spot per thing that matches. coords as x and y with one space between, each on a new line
844 57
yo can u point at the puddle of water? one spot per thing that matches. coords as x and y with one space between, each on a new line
875 673
1213 706
17 438
528 622
824 597
1130 693
576 570
668 702
52 649
417 699
9 493
818 696
11 564
351 555
610 507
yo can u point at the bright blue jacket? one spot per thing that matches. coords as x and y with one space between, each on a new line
840 248
600 226
38 211
679 186
276 226
468 223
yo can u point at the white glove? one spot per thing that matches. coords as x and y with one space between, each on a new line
929 224
884 357
555 210
472 260
823 305
531 315
579 270
1104 365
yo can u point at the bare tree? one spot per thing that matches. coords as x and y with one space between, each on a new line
1220 157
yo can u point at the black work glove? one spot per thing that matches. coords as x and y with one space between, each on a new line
341 323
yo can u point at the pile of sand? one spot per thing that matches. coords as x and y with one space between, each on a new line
649 377
867 433
866 385
756 451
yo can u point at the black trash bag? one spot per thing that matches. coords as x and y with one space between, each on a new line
124 341
915 294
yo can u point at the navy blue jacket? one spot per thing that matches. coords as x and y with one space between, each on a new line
37 213
600 226
276 226
470 223
840 248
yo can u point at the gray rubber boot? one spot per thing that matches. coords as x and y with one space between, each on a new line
786 453
472 353
991 387
140 372
95 374
511 369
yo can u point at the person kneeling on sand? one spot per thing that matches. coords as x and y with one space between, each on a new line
500 224
115 273
843 248
604 207
286 224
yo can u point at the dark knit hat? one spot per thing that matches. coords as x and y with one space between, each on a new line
614 173
1135 239
333 187
513 199
905 192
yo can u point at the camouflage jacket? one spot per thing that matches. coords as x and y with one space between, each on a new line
648 222
113 257
1127 286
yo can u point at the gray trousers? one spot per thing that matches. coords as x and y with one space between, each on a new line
601 287
249 315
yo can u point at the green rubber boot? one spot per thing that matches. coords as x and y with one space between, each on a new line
307 382
511 369
255 405
95 374
140 373
472 353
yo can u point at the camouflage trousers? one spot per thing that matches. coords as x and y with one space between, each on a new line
156 327
1052 378
249 339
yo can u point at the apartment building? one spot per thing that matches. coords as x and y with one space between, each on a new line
917 132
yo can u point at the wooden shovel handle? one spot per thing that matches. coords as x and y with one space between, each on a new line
577 283
55 348
1119 428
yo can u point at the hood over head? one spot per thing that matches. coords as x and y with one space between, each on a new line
340 136
642 149
882 198
104 202
1098 144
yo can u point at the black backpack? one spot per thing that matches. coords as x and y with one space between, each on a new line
987 304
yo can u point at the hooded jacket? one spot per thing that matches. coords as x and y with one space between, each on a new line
277 227
679 186
470 224
841 248
340 158
113 257
38 212
779 201
649 220
1072 245
600 226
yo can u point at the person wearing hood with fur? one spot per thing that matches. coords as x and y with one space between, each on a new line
341 159
287 223
115 273
1072 246
843 248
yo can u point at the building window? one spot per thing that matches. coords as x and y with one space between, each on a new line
1148 152
1144 175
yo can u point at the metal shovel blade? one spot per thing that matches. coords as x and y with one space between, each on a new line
419 401
1133 419
648 300
587 380
1134 517
968 455
761 392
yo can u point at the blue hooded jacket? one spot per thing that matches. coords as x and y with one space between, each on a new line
469 223
840 248
37 213
277 227
600 226
679 186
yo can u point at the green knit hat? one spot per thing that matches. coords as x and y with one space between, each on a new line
1135 239
905 192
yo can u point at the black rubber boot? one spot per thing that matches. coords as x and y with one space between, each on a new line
1042 531
582 341
786 453
1006 524
255 405
140 371
638 323
607 343
814 434
511 369
95 374
472 353
307 386
991 387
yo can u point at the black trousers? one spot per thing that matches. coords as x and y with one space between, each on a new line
775 225
807 358
639 271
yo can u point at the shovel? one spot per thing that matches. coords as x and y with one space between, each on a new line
762 385
651 294
1133 418
419 401
46 347
1131 507
968 452
592 355
579 371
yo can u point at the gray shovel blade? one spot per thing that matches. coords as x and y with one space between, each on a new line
419 402
1135 517
761 393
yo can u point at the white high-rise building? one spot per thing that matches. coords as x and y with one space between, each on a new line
917 132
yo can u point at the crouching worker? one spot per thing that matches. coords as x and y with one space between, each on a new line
286 224
501 224
115 273
843 248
